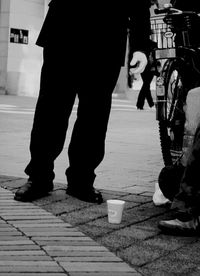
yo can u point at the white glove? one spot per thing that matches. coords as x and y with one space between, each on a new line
139 61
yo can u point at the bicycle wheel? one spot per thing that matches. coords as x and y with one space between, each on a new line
171 129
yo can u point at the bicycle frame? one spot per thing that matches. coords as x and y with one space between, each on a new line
170 51
185 60
177 50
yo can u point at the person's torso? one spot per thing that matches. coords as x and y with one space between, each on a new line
84 29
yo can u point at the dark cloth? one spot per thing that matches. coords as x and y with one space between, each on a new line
84 48
88 30
188 198
59 88
145 91
147 77
181 184
169 180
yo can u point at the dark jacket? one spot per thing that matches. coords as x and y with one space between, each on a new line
97 29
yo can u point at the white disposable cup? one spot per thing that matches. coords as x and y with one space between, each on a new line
115 210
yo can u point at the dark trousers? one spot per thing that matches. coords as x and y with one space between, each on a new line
188 198
145 91
59 87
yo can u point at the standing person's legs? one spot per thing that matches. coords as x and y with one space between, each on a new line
149 97
49 128
87 146
141 95
145 91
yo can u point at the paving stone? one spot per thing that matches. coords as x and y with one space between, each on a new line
14 204
30 263
99 227
10 201
101 259
67 239
3 223
7 228
74 248
80 238
138 254
10 184
84 216
123 238
12 238
56 234
44 225
169 243
80 253
166 266
57 194
25 258
34 268
107 273
17 242
136 199
52 229
19 247
10 234
96 267
65 243
33 274
20 212
17 223
28 217
19 208
65 206
38 252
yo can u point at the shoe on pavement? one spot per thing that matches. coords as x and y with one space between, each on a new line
181 227
29 191
158 198
88 195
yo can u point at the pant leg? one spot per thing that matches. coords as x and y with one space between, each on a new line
50 122
145 91
141 96
188 198
87 145
148 95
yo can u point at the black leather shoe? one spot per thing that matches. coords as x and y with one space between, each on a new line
89 195
151 105
140 108
29 191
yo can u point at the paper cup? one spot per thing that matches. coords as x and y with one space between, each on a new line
115 210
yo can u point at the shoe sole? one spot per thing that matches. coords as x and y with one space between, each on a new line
174 231
82 198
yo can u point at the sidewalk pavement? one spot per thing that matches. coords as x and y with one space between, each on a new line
60 235
35 242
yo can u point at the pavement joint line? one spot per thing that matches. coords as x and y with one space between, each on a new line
42 236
